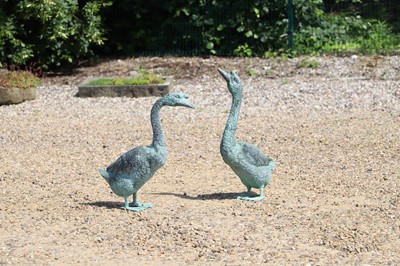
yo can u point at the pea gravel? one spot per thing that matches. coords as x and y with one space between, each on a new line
331 124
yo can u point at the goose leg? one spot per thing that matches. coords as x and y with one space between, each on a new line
258 198
136 206
246 195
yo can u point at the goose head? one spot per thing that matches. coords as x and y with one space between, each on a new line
233 81
177 99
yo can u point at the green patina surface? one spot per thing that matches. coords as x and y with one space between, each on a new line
135 167
248 162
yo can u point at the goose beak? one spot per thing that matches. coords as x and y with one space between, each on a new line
186 103
224 74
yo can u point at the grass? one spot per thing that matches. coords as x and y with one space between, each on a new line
144 79
305 63
18 79
250 72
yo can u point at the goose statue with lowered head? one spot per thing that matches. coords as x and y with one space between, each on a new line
253 167
135 167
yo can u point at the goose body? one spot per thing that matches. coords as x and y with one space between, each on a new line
137 166
133 169
248 162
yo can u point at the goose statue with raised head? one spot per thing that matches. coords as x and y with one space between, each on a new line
253 167
135 167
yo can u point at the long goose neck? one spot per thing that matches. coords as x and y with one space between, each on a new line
228 138
158 135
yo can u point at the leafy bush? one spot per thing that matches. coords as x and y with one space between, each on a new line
379 39
49 32
12 49
339 33
242 27
58 32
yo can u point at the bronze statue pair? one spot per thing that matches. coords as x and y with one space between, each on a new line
135 167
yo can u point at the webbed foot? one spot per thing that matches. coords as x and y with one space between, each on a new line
137 208
244 196
142 204
253 199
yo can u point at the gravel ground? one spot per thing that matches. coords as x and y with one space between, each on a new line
330 123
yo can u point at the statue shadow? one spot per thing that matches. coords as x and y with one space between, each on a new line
105 204
211 196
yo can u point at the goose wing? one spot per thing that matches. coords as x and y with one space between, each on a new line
132 163
255 156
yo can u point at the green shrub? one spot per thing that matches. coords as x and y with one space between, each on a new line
339 33
244 28
12 49
379 39
49 32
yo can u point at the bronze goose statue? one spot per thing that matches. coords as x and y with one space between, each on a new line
135 167
253 167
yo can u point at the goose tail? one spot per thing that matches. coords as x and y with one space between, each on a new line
272 165
105 174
